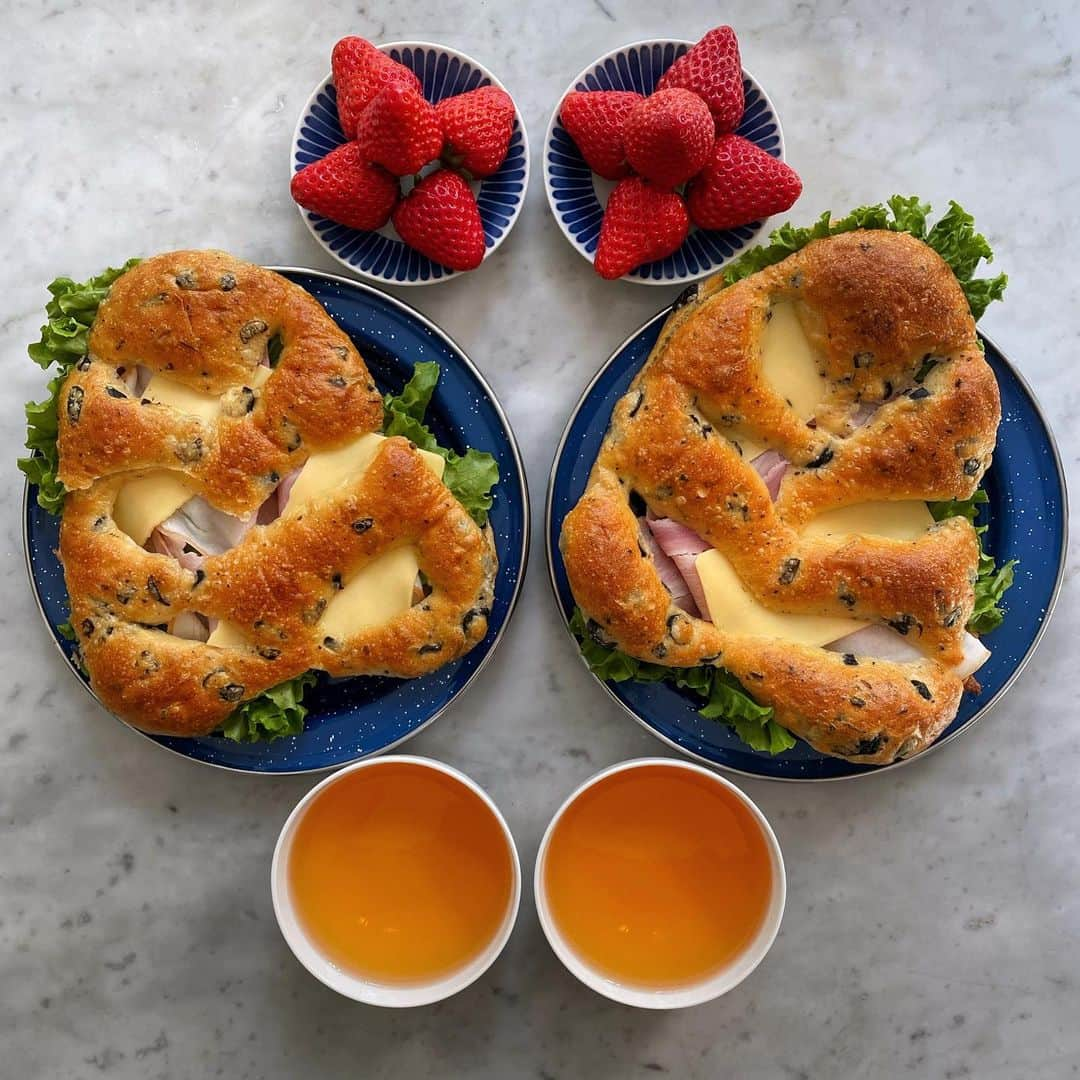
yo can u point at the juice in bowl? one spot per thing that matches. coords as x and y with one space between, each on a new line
396 881
659 884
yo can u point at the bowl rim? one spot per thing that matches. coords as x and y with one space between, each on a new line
709 988
353 986
519 120
685 279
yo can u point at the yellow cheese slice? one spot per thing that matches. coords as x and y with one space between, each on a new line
326 469
226 635
735 611
903 520
258 376
750 449
147 501
378 592
790 363
170 392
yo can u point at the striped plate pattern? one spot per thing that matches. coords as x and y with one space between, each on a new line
382 255
572 187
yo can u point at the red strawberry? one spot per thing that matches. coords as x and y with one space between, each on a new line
712 70
594 120
641 223
347 188
360 72
440 218
739 184
477 127
399 129
668 136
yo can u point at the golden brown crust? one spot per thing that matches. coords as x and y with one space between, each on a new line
876 305
185 313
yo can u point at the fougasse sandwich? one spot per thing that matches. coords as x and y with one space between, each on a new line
781 513
242 508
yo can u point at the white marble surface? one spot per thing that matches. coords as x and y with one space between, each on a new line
934 911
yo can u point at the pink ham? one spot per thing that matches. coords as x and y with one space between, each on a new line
771 467
190 625
285 488
883 643
166 541
668 571
682 546
136 379
863 412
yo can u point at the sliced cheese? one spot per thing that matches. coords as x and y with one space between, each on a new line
226 635
259 376
145 502
750 449
904 520
326 469
789 362
378 592
735 611
170 392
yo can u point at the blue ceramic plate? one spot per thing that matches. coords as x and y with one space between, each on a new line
382 256
577 196
1028 521
353 718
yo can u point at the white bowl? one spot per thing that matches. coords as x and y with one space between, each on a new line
577 196
366 990
683 996
382 256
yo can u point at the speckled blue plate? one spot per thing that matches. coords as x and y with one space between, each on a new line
577 196
354 718
1027 517
382 256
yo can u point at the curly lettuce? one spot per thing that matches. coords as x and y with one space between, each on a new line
953 237
725 699
993 581
470 476
271 715
69 315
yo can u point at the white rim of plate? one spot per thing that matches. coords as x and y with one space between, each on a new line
488 251
681 997
356 987
687 279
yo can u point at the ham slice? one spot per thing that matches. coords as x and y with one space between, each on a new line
205 528
682 545
883 643
136 379
771 467
190 625
171 542
285 488
668 571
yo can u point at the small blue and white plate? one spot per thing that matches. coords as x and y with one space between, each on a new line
353 718
383 256
1027 517
577 196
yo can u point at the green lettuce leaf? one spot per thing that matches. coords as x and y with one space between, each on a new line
725 699
953 237
470 476
272 714
992 581
69 315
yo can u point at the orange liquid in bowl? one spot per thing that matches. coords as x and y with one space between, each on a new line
400 874
658 877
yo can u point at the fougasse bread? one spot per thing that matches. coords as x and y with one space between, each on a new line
897 407
177 401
